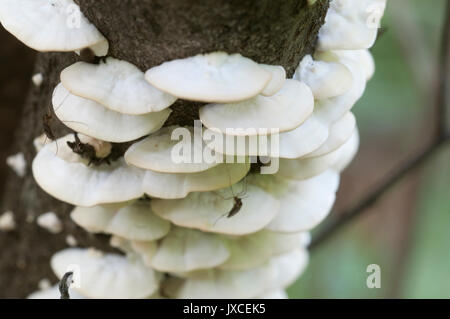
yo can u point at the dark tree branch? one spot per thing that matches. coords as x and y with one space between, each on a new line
334 225
443 99
441 138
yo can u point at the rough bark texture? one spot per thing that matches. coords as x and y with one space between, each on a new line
146 33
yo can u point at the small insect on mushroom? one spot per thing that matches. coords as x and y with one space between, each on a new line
237 199
236 207
86 151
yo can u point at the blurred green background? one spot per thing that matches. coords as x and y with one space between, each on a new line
407 233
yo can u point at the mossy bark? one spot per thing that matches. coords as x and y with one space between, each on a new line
145 33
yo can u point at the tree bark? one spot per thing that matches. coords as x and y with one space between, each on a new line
145 33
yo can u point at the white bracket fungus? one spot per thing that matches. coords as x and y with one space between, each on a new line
276 82
277 273
107 276
284 111
37 79
44 284
133 222
71 241
351 25
156 153
117 85
51 25
67 177
304 204
186 250
7 222
256 249
304 168
334 108
214 77
340 132
93 119
18 164
325 79
221 245
362 57
208 211
50 222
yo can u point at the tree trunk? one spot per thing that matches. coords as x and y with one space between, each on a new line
145 33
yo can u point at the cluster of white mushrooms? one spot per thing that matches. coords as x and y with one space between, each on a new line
197 229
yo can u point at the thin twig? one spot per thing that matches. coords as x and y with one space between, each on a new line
441 138
333 226
64 285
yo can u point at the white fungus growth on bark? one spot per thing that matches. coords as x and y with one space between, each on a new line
51 222
51 25
71 241
118 85
93 119
37 79
44 284
201 229
18 164
214 77
7 222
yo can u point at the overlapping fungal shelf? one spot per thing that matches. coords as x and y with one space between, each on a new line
171 220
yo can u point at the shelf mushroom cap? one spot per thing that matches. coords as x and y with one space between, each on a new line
305 168
66 176
156 153
362 57
117 85
275 274
284 111
277 80
145 249
133 222
351 24
334 108
305 204
179 185
254 250
222 284
92 119
340 132
212 77
315 137
186 250
106 276
349 150
288 267
304 139
208 211
325 79
51 25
